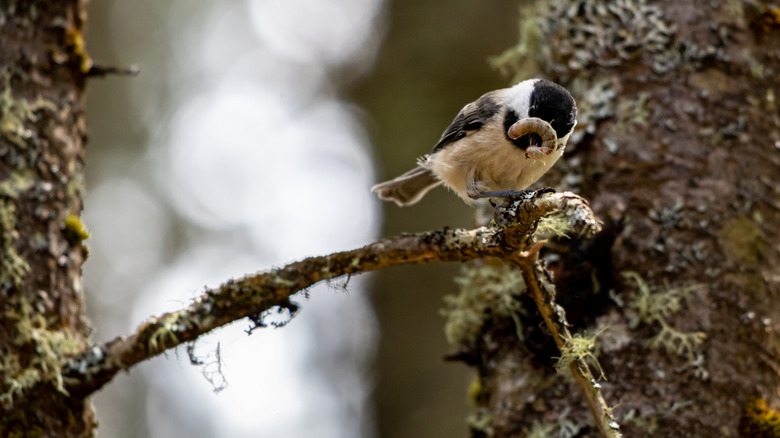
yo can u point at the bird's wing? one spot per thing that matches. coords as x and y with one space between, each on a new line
470 118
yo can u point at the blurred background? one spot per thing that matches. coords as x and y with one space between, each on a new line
250 139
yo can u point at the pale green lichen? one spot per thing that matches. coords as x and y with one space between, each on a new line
734 10
282 282
480 420
656 306
633 112
16 379
553 225
13 268
14 113
757 69
579 347
648 424
75 187
164 335
541 430
20 180
561 428
52 347
485 292
682 343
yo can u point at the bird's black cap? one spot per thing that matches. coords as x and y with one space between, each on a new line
553 104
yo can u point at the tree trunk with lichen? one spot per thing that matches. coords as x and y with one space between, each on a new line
678 150
42 75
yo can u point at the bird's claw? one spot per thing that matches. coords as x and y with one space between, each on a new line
515 195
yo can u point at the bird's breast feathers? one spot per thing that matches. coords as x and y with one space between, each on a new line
490 159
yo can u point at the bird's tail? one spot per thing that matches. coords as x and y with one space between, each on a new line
407 188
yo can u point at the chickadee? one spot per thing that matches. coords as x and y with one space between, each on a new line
496 146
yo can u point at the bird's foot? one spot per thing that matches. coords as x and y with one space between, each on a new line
514 195
507 194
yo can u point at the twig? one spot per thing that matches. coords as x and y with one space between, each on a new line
252 295
97 70
555 319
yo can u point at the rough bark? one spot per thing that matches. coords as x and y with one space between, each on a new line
679 150
42 75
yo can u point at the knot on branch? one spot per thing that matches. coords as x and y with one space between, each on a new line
541 214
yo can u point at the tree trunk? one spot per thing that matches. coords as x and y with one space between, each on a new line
43 67
679 153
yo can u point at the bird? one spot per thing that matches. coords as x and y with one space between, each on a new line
495 147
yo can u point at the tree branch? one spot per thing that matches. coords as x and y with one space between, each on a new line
513 230
555 319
